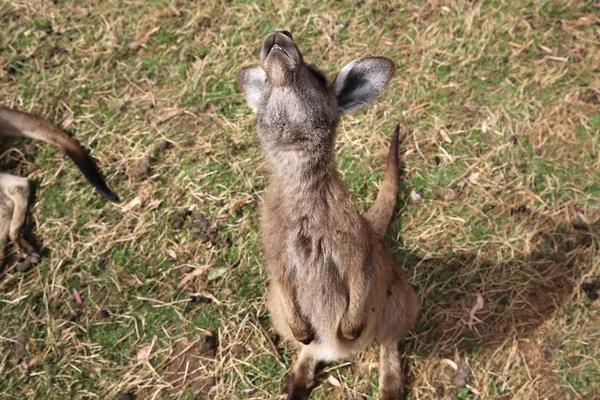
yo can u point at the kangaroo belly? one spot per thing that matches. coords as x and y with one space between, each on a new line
322 296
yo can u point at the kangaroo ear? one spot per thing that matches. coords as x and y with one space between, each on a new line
252 81
361 81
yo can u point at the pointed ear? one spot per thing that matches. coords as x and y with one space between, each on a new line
252 81
361 81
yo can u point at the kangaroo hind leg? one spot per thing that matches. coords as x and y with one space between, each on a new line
6 211
302 374
391 378
15 192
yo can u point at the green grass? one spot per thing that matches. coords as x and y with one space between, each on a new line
501 78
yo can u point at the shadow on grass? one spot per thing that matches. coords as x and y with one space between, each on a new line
519 293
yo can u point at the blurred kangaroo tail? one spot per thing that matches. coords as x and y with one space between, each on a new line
17 124
380 214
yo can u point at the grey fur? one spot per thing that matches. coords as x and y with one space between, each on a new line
333 286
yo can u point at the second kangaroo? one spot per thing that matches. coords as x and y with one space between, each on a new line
334 286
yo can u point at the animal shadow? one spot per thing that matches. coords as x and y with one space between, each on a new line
518 293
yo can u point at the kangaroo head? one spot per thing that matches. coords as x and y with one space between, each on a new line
294 103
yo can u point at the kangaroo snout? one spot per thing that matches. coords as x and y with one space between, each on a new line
278 40
286 33
280 57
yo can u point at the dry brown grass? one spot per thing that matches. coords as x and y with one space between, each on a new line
513 87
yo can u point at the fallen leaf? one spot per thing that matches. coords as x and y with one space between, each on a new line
586 20
77 297
198 271
478 306
171 253
144 352
154 203
555 58
484 126
414 195
472 389
219 272
445 136
334 381
33 362
132 204
473 177
450 363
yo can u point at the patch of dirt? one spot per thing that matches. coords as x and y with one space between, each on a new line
139 169
165 145
591 96
180 218
462 375
17 350
190 364
211 236
238 351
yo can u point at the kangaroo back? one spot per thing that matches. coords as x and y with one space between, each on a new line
17 124
380 214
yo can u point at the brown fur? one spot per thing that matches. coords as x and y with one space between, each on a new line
333 284
381 212
14 191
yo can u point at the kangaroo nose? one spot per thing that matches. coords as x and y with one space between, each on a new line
286 33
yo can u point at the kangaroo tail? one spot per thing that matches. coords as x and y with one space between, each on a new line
380 214
17 124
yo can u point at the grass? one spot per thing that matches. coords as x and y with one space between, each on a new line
513 85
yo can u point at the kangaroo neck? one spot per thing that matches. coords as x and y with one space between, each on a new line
305 179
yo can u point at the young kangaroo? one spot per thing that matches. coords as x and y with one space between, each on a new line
14 191
334 287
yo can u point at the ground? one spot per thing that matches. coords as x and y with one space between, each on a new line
500 205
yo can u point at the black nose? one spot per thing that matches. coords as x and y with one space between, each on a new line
286 33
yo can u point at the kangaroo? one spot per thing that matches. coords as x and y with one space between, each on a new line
14 191
333 285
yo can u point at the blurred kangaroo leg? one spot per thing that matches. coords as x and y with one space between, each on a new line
391 378
6 211
302 374
15 195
